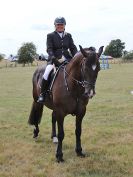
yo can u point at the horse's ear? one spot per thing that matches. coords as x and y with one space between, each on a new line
100 51
83 51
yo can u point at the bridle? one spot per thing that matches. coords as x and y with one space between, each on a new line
81 82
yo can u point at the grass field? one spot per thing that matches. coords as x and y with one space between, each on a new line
107 136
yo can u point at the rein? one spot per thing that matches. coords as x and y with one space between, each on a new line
82 82
72 78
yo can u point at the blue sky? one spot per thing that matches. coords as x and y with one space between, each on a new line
91 23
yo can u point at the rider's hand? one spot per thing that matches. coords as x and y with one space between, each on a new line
55 61
53 58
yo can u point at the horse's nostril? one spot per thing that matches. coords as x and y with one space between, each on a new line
85 94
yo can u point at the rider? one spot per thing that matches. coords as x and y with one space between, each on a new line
60 48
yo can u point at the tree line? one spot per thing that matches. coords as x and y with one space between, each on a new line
116 50
28 52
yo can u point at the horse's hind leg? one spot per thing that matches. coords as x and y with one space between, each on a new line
53 135
35 117
36 131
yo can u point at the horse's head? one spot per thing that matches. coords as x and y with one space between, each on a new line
90 69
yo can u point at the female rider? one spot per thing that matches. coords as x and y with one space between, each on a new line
60 48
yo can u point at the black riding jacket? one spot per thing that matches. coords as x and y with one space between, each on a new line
58 47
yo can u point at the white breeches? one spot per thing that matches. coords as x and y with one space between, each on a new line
48 70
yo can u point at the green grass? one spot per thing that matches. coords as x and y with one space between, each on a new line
107 136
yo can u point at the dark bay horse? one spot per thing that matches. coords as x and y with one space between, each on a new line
72 89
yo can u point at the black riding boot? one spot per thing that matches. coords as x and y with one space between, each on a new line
44 88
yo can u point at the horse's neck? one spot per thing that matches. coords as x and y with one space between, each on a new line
74 73
74 67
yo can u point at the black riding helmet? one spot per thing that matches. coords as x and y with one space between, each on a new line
60 20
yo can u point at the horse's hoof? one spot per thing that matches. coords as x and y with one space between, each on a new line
35 137
35 133
81 154
55 140
60 159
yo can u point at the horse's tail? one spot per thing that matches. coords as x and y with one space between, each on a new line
35 114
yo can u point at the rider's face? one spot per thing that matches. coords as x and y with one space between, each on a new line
60 27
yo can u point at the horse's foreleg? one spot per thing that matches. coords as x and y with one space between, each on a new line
53 135
78 132
36 131
59 153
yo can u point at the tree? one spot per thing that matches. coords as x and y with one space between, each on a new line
27 53
1 57
115 48
128 56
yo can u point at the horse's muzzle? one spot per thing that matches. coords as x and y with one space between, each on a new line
89 93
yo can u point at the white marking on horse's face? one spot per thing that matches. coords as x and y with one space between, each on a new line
94 67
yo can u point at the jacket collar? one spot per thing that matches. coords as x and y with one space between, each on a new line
65 33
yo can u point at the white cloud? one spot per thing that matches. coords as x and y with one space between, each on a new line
90 22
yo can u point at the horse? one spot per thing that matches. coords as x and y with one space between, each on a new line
70 94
